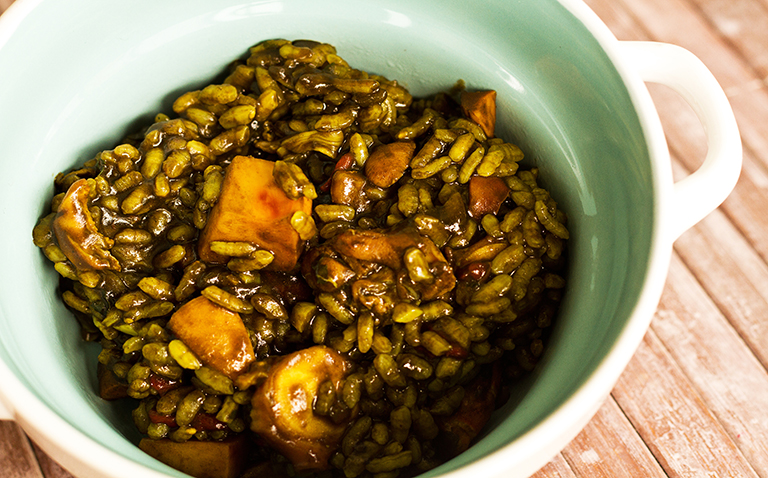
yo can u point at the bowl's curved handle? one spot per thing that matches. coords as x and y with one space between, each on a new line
706 188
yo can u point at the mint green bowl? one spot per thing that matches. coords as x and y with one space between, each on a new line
79 74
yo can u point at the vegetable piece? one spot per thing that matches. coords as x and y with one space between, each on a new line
76 231
253 208
110 387
282 411
347 189
215 335
387 163
486 195
388 248
201 459
463 426
480 107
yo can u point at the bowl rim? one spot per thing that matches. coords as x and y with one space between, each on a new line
81 455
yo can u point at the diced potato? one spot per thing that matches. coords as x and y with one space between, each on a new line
486 195
480 107
215 334
76 233
388 249
282 411
110 388
388 162
253 208
201 459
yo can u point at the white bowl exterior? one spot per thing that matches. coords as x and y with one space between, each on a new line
522 457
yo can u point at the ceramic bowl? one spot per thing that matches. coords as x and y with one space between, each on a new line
78 75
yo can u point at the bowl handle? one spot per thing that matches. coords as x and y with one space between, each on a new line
700 193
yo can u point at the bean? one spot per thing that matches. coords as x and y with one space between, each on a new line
390 463
256 261
508 259
529 268
183 355
223 298
218 94
292 180
549 221
431 168
334 212
417 266
336 308
359 149
489 308
415 367
304 225
400 420
269 306
405 312
189 406
237 116
470 164
217 381
356 432
326 396
388 370
233 249
365 331
496 287
433 342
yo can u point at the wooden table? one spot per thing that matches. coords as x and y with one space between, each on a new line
694 400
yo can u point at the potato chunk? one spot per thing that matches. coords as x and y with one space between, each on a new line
76 233
486 195
282 411
215 334
480 107
253 208
388 248
201 459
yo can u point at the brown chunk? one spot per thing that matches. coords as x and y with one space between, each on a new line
110 387
253 208
388 162
387 248
282 411
201 459
215 334
480 107
486 195
347 189
76 232
461 428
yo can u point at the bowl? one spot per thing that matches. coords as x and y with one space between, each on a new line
79 75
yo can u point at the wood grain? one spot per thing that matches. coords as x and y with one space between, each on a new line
17 460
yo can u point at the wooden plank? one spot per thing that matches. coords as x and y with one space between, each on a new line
556 468
733 275
609 447
673 421
730 380
50 468
17 460
744 23
4 4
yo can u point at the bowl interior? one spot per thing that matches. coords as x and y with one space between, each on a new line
72 88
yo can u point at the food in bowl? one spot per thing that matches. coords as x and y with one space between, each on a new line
305 270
